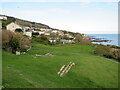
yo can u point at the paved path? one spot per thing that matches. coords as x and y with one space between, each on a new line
109 59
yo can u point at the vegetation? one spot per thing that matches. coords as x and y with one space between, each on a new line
42 40
35 34
40 71
82 40
107 51
13 42
31 71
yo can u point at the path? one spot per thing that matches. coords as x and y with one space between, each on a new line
109 59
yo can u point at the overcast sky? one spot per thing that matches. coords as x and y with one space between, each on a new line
84 17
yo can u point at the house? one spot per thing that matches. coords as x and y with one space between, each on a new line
68 35
45 29
3 17
41 32
54 31
66 41
28 33
60 33
52 40
47 33
14 27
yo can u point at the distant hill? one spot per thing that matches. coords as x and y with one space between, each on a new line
22 22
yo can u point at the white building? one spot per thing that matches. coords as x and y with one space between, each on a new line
52 40
54 31
41 32
28 34
45 29
14 27
3 17
58 32
47 33
66 41
68 35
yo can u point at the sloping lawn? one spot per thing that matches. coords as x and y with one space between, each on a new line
31 71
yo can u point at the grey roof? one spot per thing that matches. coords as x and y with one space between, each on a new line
64 40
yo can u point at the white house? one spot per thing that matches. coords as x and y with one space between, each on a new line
47 33
28 34
45 29
3 17
54 31
52 40
68 35
66 41
14 27
41 32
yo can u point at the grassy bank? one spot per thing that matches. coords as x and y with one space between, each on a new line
29 71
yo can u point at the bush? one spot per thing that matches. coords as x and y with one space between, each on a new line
23 49
13 42
103 50
35 34
84 41
42 40
107 51
116 54
6 37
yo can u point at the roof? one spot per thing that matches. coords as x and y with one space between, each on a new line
64 40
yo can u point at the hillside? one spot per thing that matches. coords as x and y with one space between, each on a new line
31 71
23 22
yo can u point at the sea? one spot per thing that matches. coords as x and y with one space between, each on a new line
115 38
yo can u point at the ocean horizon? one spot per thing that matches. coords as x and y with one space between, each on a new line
112 37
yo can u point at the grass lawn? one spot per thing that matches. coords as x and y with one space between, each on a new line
29 71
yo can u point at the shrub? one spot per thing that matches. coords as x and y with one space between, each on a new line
82 40
42 40
102 50
23 49
116 54
35 34
6 37
14 41
107 51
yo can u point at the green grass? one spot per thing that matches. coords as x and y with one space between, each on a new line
29 71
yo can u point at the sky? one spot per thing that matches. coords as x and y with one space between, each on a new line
83 17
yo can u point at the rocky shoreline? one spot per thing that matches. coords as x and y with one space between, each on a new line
95 39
